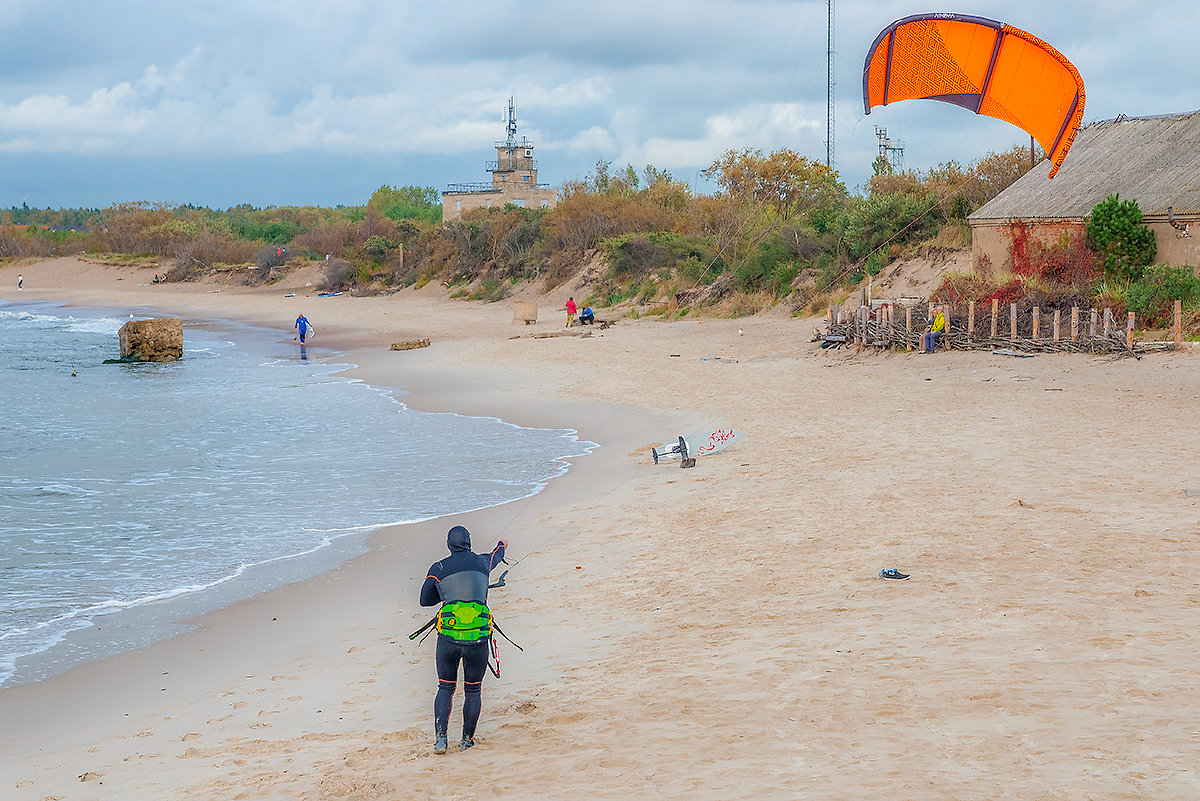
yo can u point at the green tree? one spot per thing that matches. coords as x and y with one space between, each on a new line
1116 233
408 203
784 181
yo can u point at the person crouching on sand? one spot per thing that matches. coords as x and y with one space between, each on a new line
464 625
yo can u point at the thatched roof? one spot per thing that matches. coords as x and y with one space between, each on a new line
1153 160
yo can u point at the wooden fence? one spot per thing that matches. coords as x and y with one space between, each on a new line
969 327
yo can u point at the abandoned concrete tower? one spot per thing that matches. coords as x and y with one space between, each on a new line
514 179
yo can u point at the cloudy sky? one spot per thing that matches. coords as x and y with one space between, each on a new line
221 102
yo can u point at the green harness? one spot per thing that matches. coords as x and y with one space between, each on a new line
465 621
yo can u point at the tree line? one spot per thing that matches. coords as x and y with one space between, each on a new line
781 228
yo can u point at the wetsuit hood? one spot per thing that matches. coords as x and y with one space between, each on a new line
458 539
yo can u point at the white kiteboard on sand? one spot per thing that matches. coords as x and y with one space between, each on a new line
702 443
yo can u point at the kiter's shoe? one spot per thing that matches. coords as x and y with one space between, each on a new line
466 743
893 574
440 745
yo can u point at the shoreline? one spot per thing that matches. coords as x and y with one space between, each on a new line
707 633
145 623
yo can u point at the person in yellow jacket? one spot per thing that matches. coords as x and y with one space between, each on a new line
936 328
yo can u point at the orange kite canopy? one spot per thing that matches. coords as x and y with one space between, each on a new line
984 66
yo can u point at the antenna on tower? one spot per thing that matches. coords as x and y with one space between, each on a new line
829 91
891 152
511 125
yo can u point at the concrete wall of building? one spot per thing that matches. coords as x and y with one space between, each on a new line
1174 247
514 168
991 245
455 204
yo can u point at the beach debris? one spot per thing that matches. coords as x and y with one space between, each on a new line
159 339
90 776
892 574
524 312
411 344
1011 352
549 334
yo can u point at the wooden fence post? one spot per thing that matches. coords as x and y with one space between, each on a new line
1129 332
1178 325
1012 321
908 318
1108 318
995 307
831 317
1036 316
1057 322
971 322
1092 331
1074 323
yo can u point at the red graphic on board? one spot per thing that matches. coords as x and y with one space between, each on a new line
718 437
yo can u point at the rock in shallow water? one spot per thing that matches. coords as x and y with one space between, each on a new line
156 340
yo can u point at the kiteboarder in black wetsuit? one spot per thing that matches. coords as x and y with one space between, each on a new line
464 624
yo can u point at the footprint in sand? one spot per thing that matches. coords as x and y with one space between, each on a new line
90 776
191 735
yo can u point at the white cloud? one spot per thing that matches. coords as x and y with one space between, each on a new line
673 84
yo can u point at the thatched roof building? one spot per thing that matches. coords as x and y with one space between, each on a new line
1153 160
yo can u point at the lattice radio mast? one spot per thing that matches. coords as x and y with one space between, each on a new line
829 84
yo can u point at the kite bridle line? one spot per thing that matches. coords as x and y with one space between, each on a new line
762 204
861 262
500 582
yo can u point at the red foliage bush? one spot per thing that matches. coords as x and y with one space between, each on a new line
1011 292
1067 261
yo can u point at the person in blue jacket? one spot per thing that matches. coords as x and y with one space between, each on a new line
460 584
303 326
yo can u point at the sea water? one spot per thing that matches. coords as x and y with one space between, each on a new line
123 485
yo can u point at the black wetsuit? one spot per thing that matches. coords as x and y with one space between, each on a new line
462 576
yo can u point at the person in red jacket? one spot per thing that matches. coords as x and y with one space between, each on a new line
570 310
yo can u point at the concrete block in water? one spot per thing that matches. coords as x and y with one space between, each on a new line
156 340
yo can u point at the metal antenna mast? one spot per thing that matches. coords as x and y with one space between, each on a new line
511 125
829 92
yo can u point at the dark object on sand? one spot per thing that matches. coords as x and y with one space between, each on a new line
410 344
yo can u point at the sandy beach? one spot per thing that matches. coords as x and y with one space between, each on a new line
711 633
